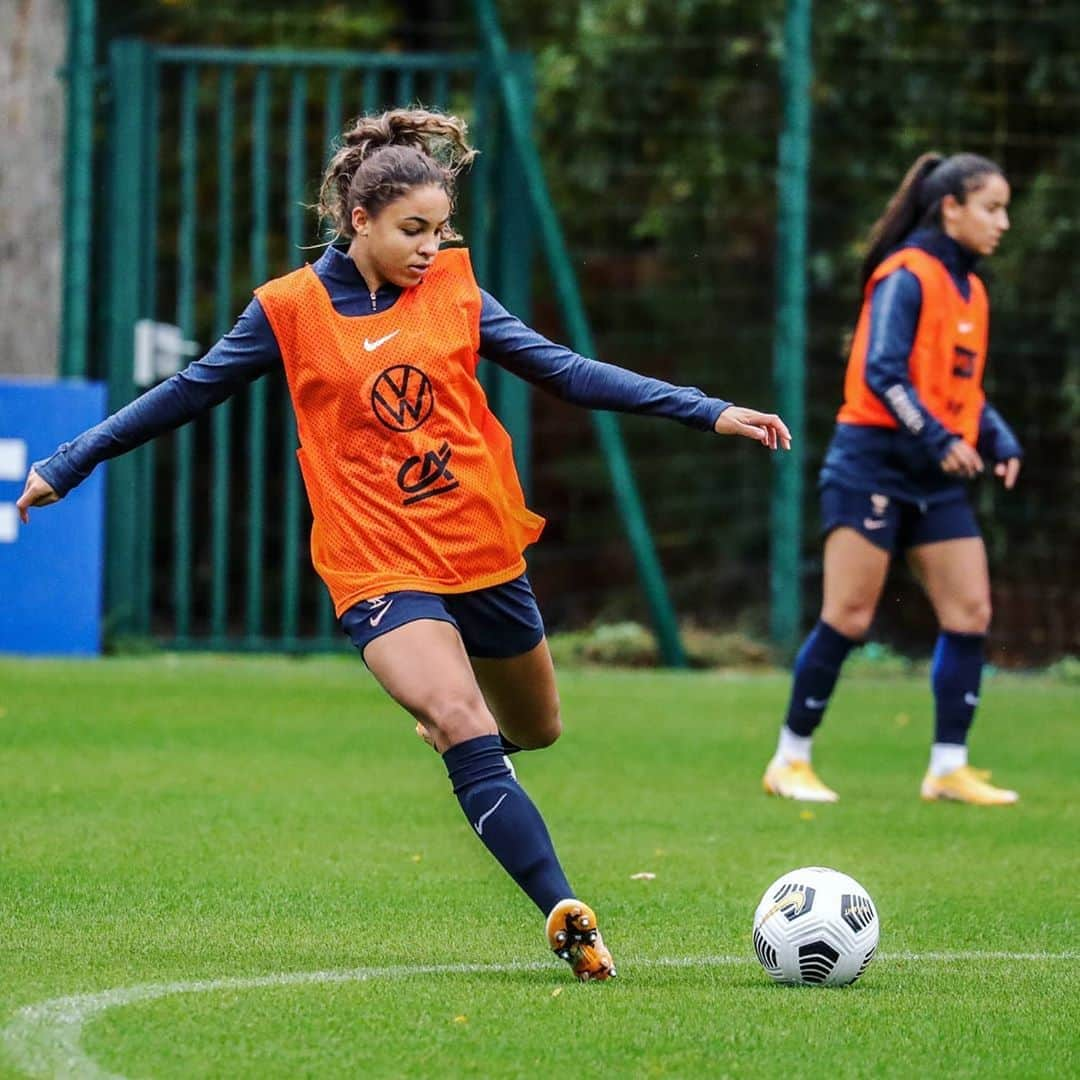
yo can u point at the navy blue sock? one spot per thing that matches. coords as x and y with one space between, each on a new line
817 668
506 820
955 675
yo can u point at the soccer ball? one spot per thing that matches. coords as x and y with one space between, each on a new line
816 926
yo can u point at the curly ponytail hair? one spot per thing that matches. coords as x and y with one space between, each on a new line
381 158
917 201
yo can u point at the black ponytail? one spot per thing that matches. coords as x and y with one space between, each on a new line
917 201
901 215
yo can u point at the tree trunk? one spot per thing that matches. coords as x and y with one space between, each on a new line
31 184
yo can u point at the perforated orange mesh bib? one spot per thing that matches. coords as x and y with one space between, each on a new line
948 356
410 477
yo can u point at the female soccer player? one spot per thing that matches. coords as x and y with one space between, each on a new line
914 428
419 519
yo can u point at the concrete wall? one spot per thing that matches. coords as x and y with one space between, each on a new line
33 47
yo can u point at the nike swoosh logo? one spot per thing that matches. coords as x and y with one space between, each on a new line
816 703
479 826
794 900
371 346
378 616
971 699
870 523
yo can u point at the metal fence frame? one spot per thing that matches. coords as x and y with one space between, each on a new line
124 243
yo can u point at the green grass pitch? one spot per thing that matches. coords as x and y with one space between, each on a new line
222 830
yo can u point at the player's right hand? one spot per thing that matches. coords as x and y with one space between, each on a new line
962 460
36 493
765 428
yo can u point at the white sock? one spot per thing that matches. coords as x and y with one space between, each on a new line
792 747
946 758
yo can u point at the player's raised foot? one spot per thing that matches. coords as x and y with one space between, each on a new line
574 937
966 785
795 780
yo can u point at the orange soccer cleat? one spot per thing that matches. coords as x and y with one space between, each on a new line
574 937
795 780
966 785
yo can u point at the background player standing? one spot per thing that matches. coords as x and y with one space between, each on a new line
914 428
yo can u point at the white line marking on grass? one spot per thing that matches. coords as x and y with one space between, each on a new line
45 1039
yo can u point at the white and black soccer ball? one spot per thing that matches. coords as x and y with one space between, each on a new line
816 926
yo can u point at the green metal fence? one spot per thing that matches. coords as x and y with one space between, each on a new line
214 157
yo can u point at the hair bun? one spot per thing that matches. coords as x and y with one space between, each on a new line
398 147
369 138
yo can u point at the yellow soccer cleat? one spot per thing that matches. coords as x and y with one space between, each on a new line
966 785
795 780
574 937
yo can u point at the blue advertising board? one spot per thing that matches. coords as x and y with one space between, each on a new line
50 570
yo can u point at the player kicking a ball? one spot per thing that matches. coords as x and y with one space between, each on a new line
914 429
419 519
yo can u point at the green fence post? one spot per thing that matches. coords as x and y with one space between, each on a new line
625 490
186 275
128 62
513 277
481 219
785 583
257 416
292 507
78 188
221 421
326 628
145 456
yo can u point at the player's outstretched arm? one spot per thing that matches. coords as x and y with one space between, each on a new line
593 384
36 493
248 351
765 428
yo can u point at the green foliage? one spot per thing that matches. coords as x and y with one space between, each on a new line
658 123
626 644
631 645
1066 670
305 24
877 659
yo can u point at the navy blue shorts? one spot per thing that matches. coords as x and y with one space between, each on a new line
895 524
494 623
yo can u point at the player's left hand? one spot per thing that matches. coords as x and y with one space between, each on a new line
1008 470
765 428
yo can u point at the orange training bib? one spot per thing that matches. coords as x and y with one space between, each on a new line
948 355
410 476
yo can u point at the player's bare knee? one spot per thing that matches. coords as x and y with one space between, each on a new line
453 717
851 620
972 617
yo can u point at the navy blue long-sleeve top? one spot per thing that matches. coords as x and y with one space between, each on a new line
904 462
250 350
